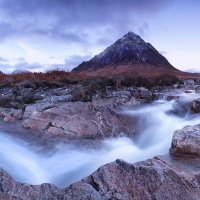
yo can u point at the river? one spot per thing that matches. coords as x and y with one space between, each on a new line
67 163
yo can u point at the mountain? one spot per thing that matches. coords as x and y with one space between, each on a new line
20 71
131 49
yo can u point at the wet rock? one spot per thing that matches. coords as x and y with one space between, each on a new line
13 190
143 93
56 99
196 106
181 107
9 119
158 95
161 178
15 113
5 100
186 141
143 180
197 88
80 119
36 124
189 84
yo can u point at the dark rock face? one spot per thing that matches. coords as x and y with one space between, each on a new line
130 49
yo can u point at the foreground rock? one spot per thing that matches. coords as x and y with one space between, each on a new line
157 178
12 190
160 178
173 176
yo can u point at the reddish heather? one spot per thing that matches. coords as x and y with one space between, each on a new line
60 76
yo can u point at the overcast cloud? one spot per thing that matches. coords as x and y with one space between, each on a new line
69 30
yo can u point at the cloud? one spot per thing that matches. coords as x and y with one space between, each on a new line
42 29
3 59
164 53
143 29
192 70
73 20
75 60
21 64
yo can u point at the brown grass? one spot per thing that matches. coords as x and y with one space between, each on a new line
120 75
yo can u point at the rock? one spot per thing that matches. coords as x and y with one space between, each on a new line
75 120
18 98
15 113
13 190
56 99
188 91
9 119
161 178
197 88
181 107
196 106
5 100
158 95
143 93
38 107
152 179
186 141
36 124
189 84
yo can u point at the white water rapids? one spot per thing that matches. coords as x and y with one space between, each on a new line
155 125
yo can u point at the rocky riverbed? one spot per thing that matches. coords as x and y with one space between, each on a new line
131 123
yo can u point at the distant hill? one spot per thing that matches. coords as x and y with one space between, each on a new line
130 50
20 71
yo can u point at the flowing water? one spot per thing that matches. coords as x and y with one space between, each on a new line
67 163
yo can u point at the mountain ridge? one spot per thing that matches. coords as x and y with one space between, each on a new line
131 49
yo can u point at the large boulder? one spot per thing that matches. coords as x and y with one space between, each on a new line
75 120
152 179
186 141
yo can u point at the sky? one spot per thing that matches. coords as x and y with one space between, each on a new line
39 35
